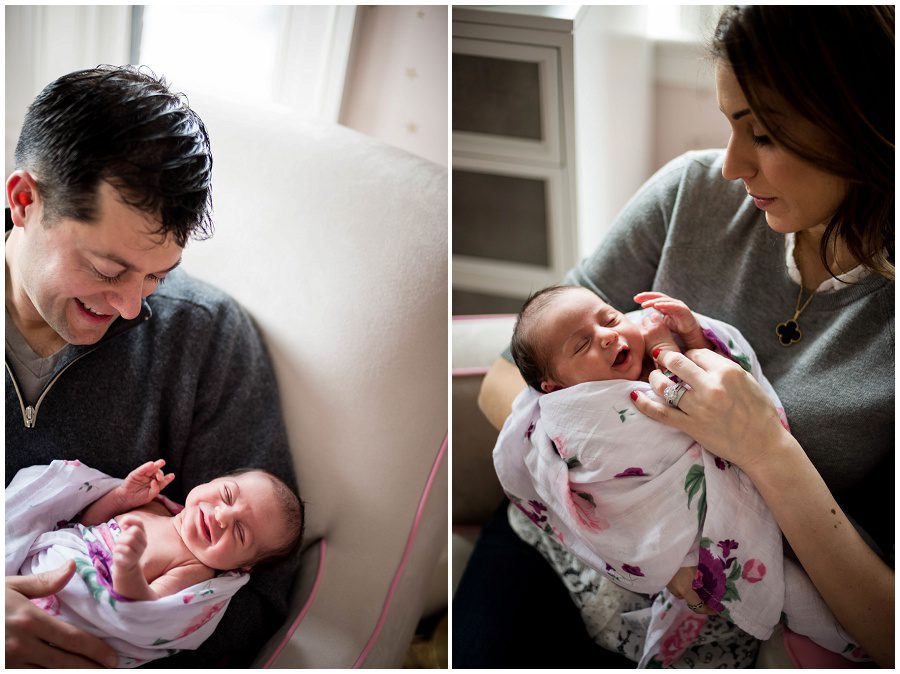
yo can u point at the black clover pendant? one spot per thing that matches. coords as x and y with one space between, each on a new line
788 332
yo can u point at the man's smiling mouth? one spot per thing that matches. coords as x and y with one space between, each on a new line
91 309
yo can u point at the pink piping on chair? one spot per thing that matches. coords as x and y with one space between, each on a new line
403 560
312 594
469 371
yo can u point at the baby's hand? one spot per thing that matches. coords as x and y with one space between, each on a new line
144 484
678 317
130 544
656 334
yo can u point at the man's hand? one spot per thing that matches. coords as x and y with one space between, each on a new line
35 639
680 587
144 484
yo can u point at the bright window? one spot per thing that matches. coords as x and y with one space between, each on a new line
231 51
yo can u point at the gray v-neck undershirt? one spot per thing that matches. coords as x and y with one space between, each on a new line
32 372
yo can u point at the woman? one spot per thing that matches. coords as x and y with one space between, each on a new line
795 248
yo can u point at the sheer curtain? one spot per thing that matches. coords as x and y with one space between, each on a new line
279 55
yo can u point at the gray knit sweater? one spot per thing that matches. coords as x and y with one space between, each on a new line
692 234
188 381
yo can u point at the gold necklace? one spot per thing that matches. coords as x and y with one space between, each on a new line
788 332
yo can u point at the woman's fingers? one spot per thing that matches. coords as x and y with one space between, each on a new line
682 366
660 412
692 599
661 382
710 360
681 587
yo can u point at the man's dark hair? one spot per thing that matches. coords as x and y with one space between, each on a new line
832 66
532 360
294 510
121 125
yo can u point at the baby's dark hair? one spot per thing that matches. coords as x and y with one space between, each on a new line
294 511
532 360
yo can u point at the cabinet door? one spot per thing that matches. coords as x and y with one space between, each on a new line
506 100
508 233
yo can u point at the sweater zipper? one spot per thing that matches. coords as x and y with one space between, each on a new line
29 412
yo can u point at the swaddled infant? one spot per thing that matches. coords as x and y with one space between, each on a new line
152 576
636 499
233 522
567 335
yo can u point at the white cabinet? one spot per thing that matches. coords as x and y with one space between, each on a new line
520 91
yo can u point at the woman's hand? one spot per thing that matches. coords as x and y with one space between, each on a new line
725 409
681 587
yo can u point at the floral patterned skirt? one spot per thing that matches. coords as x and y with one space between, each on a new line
617 618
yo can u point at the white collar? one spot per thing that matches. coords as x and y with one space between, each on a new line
829 285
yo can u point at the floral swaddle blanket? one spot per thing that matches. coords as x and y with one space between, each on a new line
39 502
637 500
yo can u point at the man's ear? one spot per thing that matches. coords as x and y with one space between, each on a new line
549 386
21 194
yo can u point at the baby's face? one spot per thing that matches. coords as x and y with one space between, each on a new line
588 340
231 521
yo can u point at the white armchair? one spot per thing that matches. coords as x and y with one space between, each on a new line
337 245
477 342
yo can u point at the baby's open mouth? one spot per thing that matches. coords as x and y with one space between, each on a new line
621 357
205 528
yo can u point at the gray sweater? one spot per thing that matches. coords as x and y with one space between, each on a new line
188 381
692 234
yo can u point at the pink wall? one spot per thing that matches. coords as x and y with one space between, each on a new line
397 80
685 118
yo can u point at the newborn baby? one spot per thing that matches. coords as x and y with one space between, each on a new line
567 335
637 500
235 521
151 576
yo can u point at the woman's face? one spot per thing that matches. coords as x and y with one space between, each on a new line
794 194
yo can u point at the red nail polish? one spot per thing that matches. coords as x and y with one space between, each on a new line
634 395
656 352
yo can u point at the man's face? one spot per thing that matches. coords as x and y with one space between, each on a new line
78 278
588 340
231 521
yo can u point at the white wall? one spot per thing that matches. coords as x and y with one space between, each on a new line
685 110
81 37
397 84
613 115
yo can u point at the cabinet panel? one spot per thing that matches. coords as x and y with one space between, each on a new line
500 217
510 233
496 96
506 100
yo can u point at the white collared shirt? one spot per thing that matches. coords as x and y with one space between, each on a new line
830 284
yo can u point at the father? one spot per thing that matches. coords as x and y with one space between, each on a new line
114 356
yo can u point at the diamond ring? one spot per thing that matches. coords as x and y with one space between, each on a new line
673 393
